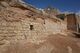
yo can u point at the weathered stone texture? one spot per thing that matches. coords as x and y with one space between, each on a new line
26 31
15 24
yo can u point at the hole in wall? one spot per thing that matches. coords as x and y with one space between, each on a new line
31 27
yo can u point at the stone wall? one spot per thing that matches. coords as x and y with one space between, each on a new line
72 22
15 25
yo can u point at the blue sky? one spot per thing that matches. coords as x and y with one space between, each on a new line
63 5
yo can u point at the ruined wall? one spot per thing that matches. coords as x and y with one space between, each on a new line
72 22
15 25
24 30
78 22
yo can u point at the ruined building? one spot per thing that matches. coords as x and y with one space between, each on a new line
72 21
25 29
52 10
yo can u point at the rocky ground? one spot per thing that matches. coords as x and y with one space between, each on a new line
54 43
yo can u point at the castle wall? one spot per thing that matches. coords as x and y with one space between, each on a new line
72 22
21 30
15 26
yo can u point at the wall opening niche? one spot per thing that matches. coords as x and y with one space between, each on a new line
31 27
